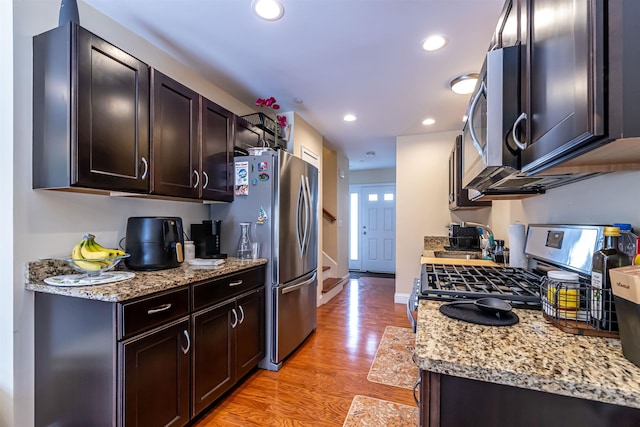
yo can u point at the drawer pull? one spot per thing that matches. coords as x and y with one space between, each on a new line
235 320
415 388
241 314
238 283
186 335
160 308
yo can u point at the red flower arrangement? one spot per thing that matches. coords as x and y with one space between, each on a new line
271 102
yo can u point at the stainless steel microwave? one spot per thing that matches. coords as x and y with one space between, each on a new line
489 153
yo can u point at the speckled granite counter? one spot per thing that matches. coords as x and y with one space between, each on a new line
144 283
532 354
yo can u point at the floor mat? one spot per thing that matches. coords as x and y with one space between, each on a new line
393 364
358 274
367 411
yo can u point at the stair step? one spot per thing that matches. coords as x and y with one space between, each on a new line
330 283
325 267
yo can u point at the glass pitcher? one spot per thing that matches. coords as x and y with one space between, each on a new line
244 243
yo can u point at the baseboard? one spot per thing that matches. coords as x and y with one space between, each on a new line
401 298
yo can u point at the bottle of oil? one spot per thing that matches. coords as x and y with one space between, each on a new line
603 314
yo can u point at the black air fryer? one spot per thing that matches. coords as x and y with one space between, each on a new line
155 243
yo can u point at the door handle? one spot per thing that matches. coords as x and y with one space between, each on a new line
146 168
241 315
294 288
300 197
519 143
416 398
472 110
235 318
197 179
186 335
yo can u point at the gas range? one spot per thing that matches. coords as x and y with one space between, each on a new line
548 247
448 282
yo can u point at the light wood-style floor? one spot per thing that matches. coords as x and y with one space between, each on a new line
317 383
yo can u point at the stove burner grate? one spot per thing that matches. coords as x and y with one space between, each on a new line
448 282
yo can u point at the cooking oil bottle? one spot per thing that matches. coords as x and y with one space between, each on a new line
603 314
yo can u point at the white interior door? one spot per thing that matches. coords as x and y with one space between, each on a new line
378 228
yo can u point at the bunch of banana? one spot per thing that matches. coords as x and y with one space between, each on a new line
90 255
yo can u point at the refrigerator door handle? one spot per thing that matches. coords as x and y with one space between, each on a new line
299 238
294 288
307 225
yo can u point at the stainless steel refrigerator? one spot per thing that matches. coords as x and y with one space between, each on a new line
278 194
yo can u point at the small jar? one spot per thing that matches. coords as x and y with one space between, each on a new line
563 293
189 250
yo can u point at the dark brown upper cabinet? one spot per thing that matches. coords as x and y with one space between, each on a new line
90 114
191 143
216 176
175 160
580 94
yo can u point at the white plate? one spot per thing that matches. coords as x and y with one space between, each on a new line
84 280
205 262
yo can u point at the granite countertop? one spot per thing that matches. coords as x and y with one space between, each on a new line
532 354
144 282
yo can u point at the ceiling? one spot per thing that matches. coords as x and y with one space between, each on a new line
339 56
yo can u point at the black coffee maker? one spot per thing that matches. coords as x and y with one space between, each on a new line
206 238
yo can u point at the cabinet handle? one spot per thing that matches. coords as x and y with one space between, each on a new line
158 309
186 335
415 387
197 179
520 145
235 320
238 283
146 168
206 180
241 314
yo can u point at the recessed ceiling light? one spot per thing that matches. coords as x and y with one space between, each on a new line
349 118
370 153
434 42
298 100
270 10
428 122
464 84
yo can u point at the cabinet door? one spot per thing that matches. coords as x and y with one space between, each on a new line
250 332
566 79
216 179
175 110
155 374
213 355
113 117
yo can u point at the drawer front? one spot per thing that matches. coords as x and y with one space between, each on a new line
218 290
147 313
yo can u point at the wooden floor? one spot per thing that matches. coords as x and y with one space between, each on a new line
317 383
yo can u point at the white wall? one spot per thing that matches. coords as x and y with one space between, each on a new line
48 223
6 214
422 191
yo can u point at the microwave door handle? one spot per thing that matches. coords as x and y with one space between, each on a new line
472 110
521 118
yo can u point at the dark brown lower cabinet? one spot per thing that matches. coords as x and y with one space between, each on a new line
156 377
232 335
448 401
157 360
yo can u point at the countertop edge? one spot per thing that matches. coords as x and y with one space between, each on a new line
143 284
